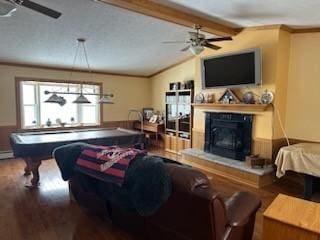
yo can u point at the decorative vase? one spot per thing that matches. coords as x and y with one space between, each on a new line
48 123
209 98
248 98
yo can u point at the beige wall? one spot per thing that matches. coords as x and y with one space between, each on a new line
267 40
290 69
281 83
130 92
303 99
160 82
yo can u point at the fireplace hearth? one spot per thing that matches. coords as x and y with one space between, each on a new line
228 134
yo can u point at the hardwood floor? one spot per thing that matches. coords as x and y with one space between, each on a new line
46 213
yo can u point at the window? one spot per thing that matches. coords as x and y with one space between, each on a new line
35 112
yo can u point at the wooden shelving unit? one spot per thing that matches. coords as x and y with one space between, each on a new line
232 107
179 118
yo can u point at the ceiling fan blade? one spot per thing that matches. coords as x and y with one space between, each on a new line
185 49
208 45
219 39
7 8
39 8
176 42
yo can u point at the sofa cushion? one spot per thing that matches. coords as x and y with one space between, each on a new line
186 179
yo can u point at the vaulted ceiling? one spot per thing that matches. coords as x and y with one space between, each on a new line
126 42
248 13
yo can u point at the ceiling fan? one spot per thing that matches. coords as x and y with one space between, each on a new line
7 7
198 41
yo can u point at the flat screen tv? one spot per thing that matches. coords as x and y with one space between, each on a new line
232 70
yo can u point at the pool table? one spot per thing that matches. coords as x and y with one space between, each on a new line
34 147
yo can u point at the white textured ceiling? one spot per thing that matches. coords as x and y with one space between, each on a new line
125 42
118 41
247 13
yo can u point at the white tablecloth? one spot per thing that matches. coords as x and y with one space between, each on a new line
301 158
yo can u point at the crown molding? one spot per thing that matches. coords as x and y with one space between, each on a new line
266 27
306 30
283 27
171 66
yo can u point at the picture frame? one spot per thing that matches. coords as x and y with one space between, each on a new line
229 97
147 113
209 98
174 86
154 119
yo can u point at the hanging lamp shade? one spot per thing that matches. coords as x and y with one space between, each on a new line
106 100
63 101
81 99
54 98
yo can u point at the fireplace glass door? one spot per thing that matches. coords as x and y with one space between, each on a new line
228 134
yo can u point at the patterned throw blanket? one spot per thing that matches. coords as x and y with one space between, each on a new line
108 164
146 186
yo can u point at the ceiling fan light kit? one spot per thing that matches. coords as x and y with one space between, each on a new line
198 41
196 49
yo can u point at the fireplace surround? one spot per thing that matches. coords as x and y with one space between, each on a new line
228 134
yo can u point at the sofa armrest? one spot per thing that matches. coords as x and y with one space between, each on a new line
240 207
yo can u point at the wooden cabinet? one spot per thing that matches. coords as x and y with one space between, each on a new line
183 144
291 218
176 144
171 143
179 118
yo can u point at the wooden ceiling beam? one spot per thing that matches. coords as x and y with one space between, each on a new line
173 15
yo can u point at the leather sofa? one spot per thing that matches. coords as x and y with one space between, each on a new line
194 210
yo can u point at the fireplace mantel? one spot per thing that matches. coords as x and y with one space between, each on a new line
237 107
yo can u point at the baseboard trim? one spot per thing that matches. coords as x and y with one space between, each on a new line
6 155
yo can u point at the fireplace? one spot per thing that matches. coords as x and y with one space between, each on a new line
228 134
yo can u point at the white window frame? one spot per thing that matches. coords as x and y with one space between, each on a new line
37 105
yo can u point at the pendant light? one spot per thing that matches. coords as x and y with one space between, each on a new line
54 98
81 99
